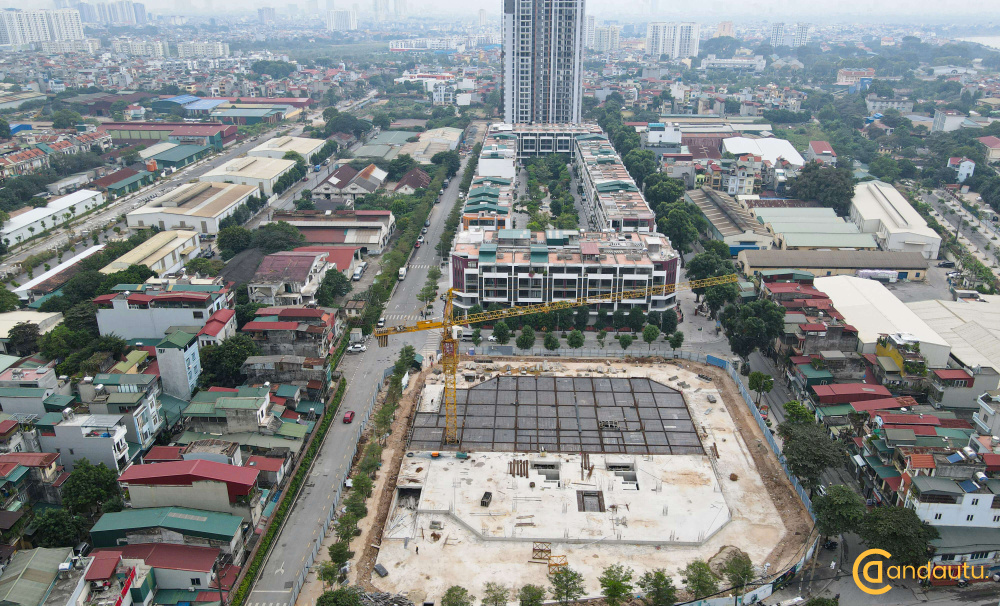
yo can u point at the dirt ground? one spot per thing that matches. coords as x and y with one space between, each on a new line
757 517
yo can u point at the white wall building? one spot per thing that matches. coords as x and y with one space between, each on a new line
341 21
192 206
164 253
944 501
20 27
777 35
801 35
607 39
180 363
589 31
676 40
542 61
279 146
211 50
148 316
23 226
97 438
878 208
252 170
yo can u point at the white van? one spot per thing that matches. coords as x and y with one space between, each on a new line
402 273
357 274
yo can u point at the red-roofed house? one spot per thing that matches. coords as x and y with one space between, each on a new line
822 152
196 483
272 469
344 258
963 167
412 181
846 393
174 566
163 454
992 145
220 326
298 331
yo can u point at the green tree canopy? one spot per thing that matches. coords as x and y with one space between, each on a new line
526 340
699 579
840 510
809 451
8 300
334 284
899 531
221 364
57 528
657 588
90 487
616 584
832 187
457 596
234 239
566 585
275 237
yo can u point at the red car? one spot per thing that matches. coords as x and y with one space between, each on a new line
348 416
416 245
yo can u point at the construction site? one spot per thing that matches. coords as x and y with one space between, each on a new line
650 463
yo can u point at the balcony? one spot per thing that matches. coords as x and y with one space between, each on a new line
981 426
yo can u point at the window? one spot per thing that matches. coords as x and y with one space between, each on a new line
937 516
996 518
198 314
71 451
969 517
195 581
975 501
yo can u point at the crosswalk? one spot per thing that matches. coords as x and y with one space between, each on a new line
421 266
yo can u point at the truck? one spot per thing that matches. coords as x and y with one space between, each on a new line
317 168
402 273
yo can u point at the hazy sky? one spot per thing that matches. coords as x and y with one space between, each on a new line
706 11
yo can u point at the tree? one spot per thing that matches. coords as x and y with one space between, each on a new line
717 247
761 382
4 129
640 163
809 451
339 597
575 339
719 295
832 187
334 284
738 570
601 336
530 595
551 341
699 580
328 573
676 340
566 585
82 317
399 166
57 528
450 160
495 594
457 596
678 226
477 337
752 326
89 487
526 340
616 584
381 120
204 267
899 531
658 588
625 341
65 118
427 294
221 364
275 237
707 265
636 319
234 239
8 300
649 334
347 528
22 338
362 484
501 332
822 602
797 412
668 321
839 511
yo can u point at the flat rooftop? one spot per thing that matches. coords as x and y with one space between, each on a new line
207 199
562 414
568 497
252 167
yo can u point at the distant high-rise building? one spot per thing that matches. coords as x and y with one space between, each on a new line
399 8
267 14
542 61
329 5
607 38
801 37
141 17
777 34
19 27
211 50
676 40
342 21
381 9
654 7
87 12
588 32
482 17
312 7
724 30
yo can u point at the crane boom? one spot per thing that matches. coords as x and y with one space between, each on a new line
449 344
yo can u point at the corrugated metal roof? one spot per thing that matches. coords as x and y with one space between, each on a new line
834 259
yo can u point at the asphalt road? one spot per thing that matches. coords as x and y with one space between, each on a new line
364 374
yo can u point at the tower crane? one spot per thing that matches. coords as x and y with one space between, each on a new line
449 344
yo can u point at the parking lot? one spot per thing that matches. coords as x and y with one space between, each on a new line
935 287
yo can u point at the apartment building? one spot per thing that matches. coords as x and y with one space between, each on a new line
876 104
21 27
99 438
542 61
610 196
517 267
141 48
607 38
198 50
675 40
148 315
134 396
180 363
343 20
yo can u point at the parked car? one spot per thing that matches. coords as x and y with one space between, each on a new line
946 264
348 416
381 323
357 348
420 239
427 223
423 230
491 339
417 244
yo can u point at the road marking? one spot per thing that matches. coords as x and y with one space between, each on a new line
281 569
